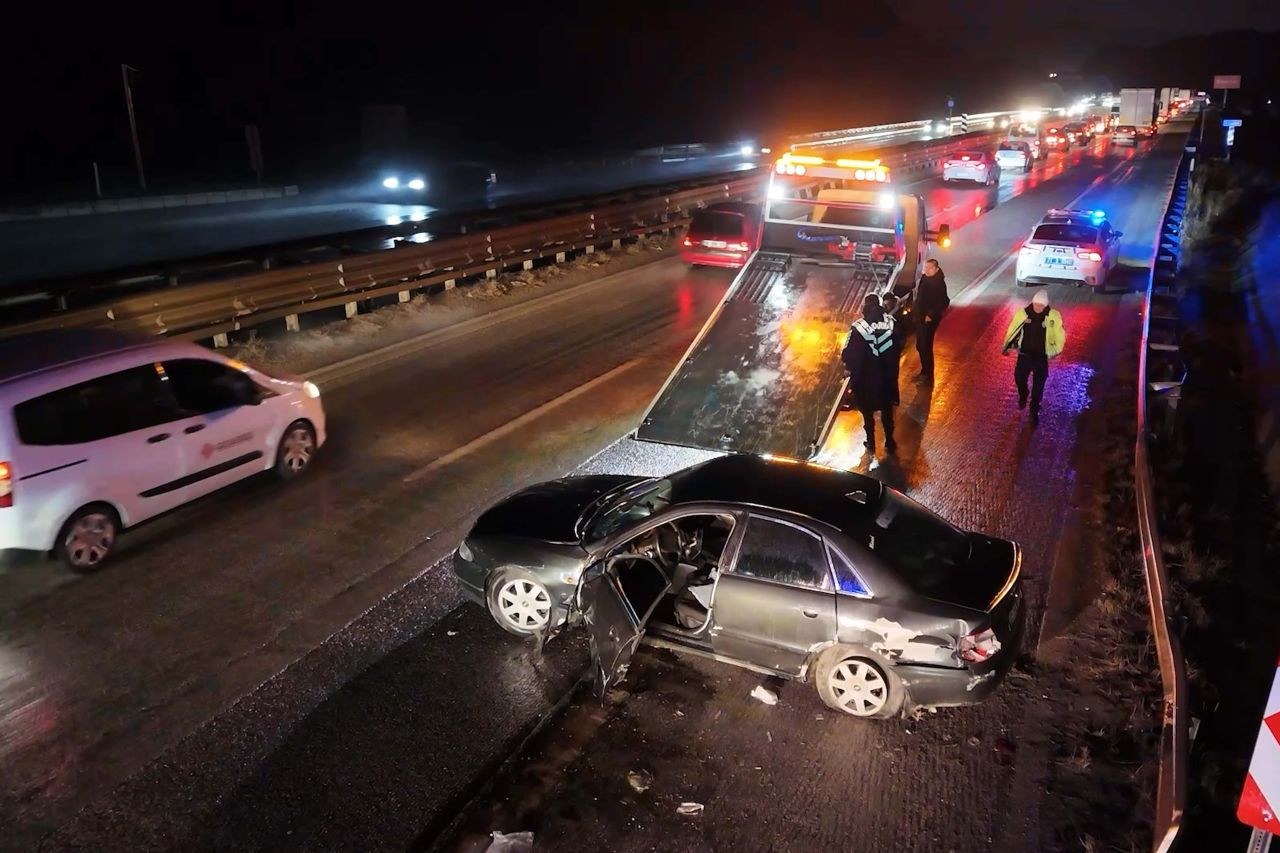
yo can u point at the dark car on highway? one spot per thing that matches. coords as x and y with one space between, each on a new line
797 570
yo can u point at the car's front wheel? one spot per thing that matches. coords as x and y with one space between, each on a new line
519 602
854 684
296 450
87 539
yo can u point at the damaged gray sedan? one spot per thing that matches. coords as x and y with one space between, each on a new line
784 568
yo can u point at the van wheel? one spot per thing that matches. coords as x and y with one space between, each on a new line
855 684
297 448
87 539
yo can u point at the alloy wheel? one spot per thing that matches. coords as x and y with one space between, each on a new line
298 447
524 604
89 539
859 687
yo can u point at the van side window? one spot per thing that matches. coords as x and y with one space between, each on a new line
202 386
109 405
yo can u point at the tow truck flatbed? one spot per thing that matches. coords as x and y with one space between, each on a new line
764 376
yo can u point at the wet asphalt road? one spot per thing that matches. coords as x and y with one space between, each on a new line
101 676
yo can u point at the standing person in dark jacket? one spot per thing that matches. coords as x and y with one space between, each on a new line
871 355
930 304
1037 333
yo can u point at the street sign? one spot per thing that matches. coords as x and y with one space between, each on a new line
1232 122
1226 81
1261 792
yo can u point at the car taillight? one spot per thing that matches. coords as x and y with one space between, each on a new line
1089 255
979 646
6 484
687 242
739 247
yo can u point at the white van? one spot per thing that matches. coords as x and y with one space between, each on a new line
100 431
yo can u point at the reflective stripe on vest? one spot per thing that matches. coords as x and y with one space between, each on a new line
879 336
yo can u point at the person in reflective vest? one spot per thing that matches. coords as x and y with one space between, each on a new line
871 356
1037 333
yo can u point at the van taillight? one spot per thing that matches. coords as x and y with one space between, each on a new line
6 484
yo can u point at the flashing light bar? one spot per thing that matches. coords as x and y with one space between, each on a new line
863 170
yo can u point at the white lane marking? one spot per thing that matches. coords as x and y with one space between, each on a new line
513 425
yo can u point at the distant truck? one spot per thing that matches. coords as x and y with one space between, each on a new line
1137 108
764 375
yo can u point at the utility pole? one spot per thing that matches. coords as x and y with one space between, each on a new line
133 123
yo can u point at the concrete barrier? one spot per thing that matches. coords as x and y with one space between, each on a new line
155 202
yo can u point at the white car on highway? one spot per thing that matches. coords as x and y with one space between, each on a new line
1069 247
976 166
1014 155
100 431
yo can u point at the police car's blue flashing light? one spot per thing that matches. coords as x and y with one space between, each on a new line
1099 214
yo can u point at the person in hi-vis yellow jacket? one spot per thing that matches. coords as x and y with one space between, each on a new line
1037 333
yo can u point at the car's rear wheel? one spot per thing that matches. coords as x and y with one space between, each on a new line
296 450
88 538
519 602
854 684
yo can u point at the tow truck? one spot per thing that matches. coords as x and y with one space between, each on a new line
764 374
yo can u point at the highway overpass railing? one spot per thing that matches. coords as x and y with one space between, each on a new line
414 259
1159 371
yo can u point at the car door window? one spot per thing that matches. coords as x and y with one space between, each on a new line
783 553
202 386
109 405
847 578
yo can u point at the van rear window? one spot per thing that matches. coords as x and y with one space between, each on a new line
718 222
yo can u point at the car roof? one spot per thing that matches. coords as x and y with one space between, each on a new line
813 490
35 352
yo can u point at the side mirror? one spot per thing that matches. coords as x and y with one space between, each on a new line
1116 235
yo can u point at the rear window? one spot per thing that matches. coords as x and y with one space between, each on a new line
923 549
1125 128
972 155
1066 234
718 222
1013 146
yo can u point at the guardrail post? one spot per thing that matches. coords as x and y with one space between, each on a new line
491 273
221 341
528 264
590 249
451 284
617 243
351 309
404 296
291 322
560 256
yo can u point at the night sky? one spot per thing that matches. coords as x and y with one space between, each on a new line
506 81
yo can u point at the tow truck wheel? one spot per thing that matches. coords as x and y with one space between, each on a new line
854 684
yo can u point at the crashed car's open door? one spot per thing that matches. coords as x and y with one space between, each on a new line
616 598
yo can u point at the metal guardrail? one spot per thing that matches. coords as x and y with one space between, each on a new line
1159 340
212 309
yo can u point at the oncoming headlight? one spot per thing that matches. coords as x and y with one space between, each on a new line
391 183
417 184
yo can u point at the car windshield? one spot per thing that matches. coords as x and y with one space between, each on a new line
618 510
1066 234
925 550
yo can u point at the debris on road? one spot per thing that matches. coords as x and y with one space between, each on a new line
640 780
765 695
690 809
451 633
510 842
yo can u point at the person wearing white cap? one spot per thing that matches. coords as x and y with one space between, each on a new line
1038 334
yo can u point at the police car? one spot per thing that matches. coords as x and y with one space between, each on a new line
1069 247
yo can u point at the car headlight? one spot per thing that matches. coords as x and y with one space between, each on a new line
311 389
465 552
391 183
417 184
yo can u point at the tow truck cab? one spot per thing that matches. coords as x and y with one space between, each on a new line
764 375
